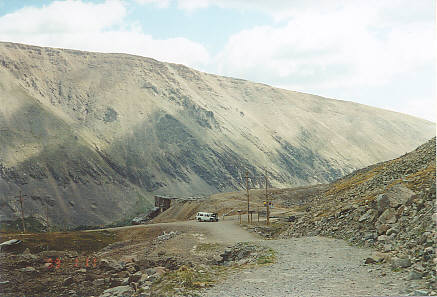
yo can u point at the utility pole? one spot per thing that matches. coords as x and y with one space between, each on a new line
247 190
47 217
20 197
267 200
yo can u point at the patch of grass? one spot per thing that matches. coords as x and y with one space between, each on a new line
353 181
187 279
269 257
208 247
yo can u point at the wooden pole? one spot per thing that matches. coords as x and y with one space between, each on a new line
22 212
257 210
247 190
47 217
267 201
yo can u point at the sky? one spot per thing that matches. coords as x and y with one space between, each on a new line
379 53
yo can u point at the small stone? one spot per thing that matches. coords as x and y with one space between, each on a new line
391 231
82 270
414 275
388 247
99 282
143 279
429 250
118 291
217 259
125 281
400 262
110 265
135 277
369 260
382 238
382 229
160 270
68 281
387 217
420 293
28 269
369 216
243 261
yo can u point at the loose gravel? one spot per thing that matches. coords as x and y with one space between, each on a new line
313 266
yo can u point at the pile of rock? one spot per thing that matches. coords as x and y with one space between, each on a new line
241 253
166 236
389 206
127 279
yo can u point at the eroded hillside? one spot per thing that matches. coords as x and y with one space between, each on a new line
389 206
95 134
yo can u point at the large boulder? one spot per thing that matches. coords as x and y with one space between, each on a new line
399 195
402 262
382 203
387 217
10 245
368 216
109 264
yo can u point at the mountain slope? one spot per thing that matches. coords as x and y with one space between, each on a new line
389 205
94 132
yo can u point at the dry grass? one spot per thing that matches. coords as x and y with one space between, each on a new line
82 242
354 181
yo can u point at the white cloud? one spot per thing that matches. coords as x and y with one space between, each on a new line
329 50
95 27
335 48
158 3
353 46
420 107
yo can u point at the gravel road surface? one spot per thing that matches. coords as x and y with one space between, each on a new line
313 266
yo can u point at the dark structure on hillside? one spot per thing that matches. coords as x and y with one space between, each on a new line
164 202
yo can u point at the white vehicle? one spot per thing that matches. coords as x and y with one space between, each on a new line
207 217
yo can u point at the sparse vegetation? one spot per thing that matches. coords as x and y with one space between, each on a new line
84 242
184 280
268 257
208 247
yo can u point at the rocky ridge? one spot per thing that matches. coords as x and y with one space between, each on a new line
94 136
389 206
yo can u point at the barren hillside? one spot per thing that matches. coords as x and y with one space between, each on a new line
95 135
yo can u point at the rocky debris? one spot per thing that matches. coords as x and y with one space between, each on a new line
414 275
268 232
241 253
166 236
389 206
109 264
120 291
400 262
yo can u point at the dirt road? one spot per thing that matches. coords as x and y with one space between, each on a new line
308 266
312 266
